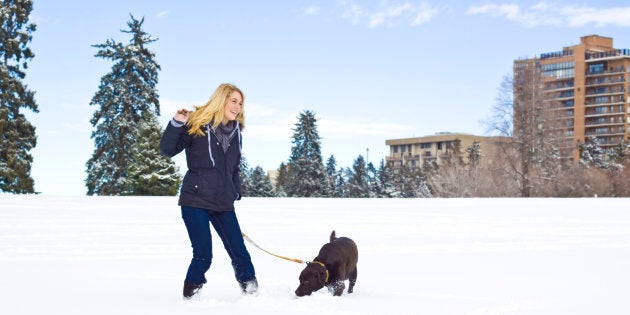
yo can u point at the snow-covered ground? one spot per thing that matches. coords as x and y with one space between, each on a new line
128 255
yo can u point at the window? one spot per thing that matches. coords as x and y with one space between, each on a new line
596 68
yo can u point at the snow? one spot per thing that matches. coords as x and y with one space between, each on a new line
128 255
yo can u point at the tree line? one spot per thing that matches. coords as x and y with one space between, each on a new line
126 159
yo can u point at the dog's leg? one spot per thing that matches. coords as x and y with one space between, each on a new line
336 287
353 280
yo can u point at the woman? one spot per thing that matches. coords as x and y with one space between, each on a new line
211 136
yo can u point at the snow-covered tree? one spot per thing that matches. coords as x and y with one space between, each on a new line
619 153
282 180
341 184
260 184
374 182
358 180
17 134
411 183
124 96
307 175
473 153
331 170
527 115
591 154
151 173
246 173
386 182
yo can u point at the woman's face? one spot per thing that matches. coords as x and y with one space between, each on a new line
233 107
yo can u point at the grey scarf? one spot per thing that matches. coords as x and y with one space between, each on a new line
224 133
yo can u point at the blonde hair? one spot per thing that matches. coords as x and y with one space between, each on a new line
213 110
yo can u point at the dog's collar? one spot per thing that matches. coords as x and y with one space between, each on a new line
322 264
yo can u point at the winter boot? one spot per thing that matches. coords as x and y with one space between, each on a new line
191 289
249 287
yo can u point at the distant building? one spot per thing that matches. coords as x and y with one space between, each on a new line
588 84
414 152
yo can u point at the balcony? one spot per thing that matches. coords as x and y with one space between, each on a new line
592 113
604 81
556 54
605 72
607 140
604 93
604 55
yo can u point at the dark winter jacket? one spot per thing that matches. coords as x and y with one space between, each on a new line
212 180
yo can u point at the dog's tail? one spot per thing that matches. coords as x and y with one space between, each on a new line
333 236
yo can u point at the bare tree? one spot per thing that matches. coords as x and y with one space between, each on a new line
525 113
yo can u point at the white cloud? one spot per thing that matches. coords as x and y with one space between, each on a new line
163 14
311 10
390 15
424 15
543 13
354 14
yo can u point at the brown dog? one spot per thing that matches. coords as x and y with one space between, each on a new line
336 262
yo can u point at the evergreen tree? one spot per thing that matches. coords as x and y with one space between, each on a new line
474 165
124 96
282 180
246 174
591 154
151 173
358 180
331 170
341 185
386 181
260 184
619 154
412 183
374 184
474 153
17 135
307 175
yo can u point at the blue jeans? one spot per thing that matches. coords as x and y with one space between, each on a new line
227 227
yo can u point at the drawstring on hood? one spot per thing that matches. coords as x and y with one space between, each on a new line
224 134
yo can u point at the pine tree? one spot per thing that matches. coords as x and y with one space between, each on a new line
282 180
17 135
261 184
386 181
591 154
411 183
374 184
358 181
307 175
245 173
474 153
124 96
331 170
619 153
151 173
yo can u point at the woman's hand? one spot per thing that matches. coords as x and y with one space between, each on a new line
182 115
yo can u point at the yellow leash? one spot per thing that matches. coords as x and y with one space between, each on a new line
299 261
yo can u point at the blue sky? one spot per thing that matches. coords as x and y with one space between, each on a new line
370 70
